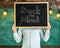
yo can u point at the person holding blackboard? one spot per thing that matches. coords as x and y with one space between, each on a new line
31 36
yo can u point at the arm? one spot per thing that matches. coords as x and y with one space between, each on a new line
16 35
45 35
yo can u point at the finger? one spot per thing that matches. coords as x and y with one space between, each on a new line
14 23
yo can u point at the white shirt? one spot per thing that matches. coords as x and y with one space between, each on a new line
31 37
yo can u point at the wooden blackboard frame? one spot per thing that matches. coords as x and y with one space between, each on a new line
31 3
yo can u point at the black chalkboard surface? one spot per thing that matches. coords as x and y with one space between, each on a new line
31 14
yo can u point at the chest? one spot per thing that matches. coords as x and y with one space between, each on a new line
32 32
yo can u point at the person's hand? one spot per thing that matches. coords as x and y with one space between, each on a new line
48 26
14 27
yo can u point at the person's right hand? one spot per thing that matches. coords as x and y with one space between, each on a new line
14 27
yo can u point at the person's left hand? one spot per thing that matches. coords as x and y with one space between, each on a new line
48 26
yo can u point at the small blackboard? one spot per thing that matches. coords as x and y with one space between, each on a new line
31 14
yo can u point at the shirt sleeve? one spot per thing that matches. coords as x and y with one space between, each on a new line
45 35
17 36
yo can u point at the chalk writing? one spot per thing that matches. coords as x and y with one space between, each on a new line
32 16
